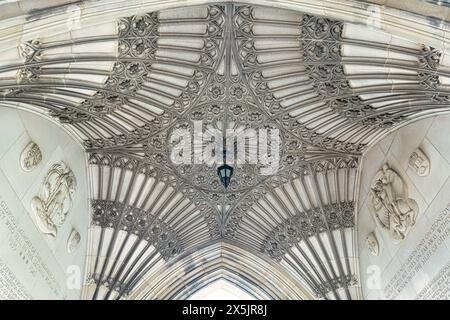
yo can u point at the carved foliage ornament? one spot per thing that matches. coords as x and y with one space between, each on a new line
390 203
54 200
30 157
355 108
31 51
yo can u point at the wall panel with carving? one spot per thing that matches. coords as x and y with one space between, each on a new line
43 209
403 217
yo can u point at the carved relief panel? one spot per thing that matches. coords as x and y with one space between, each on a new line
73 241
30 157
390 203
54 200
372 244
420 163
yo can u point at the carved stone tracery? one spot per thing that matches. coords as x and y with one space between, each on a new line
109 214
229 80
308 224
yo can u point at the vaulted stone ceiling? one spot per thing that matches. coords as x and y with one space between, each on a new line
161 230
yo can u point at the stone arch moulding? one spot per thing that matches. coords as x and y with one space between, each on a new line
246 275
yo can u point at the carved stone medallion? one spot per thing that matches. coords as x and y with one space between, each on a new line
390 203
372 244
54 200
73 241
420 163
30 157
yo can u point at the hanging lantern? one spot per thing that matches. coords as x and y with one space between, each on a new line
225 172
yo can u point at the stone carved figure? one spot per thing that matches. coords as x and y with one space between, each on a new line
372 244
390 203
30 157
55 198
420 163
73 241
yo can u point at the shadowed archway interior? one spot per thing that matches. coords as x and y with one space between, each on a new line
163 231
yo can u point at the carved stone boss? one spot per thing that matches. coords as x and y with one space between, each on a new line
55 198
391 205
